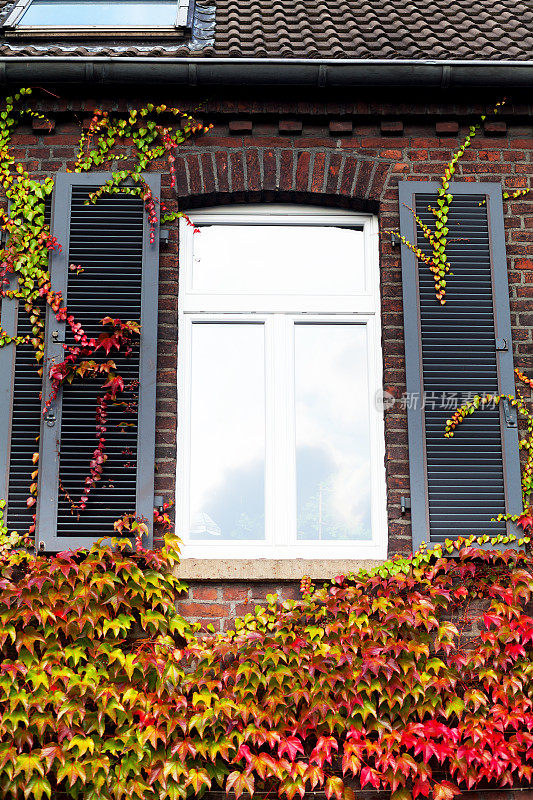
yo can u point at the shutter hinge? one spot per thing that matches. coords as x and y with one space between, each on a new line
405 505
509 412
501 344
50 418
58 336
163 237
158 502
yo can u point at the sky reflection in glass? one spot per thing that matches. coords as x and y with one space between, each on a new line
332 432
227 473
109 13
278 259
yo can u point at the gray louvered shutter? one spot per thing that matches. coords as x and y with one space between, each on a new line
20 388
110 241
453 352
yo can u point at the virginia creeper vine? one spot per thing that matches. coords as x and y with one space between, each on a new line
437 235
525 518
153 133
414 678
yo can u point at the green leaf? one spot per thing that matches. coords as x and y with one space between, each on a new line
72 770
334 787
454 706
37 787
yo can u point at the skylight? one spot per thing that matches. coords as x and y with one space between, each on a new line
100 13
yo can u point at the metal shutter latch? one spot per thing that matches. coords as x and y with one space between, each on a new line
509 412
501 344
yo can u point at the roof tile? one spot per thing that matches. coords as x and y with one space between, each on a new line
373 29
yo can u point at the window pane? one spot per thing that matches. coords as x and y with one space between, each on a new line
122 13
278 259
332 432
227 478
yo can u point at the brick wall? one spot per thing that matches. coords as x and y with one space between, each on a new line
328 151
373 794
218 603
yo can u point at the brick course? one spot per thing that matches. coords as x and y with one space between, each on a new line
219 605
330 152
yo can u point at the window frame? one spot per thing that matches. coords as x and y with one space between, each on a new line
280 314
12 27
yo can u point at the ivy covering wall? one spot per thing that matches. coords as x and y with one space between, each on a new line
416 678
107 692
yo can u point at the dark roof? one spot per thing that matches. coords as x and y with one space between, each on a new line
332 29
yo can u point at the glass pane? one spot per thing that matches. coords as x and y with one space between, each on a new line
227 476
332 432
278 259
120 13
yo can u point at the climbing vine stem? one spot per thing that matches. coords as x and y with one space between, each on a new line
134 140
525 517
413 678
437 234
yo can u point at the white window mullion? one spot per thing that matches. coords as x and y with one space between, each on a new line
271 522
290 428
284 483
183 424
378 477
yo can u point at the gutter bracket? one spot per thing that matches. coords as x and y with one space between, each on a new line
192 75
322 77
446 76
99 73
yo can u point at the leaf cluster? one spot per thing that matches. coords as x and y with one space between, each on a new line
437 234
107 692
139 138
523 407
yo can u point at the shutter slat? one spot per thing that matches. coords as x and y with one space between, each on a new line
458 484
105 241
452 367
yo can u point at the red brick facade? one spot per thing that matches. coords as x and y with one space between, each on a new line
331 152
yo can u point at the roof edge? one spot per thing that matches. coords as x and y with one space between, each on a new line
265 71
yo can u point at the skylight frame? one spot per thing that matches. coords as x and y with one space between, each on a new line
12 27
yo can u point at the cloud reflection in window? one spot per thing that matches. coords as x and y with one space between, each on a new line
332 432
227 431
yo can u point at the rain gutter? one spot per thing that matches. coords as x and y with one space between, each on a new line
205 71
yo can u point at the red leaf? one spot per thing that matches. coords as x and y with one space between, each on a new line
445 791
525 521
291 745
369 775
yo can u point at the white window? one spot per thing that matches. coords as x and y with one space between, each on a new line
281 441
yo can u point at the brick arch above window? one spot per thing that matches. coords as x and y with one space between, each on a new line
327 177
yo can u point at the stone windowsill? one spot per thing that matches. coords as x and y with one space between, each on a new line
266 569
